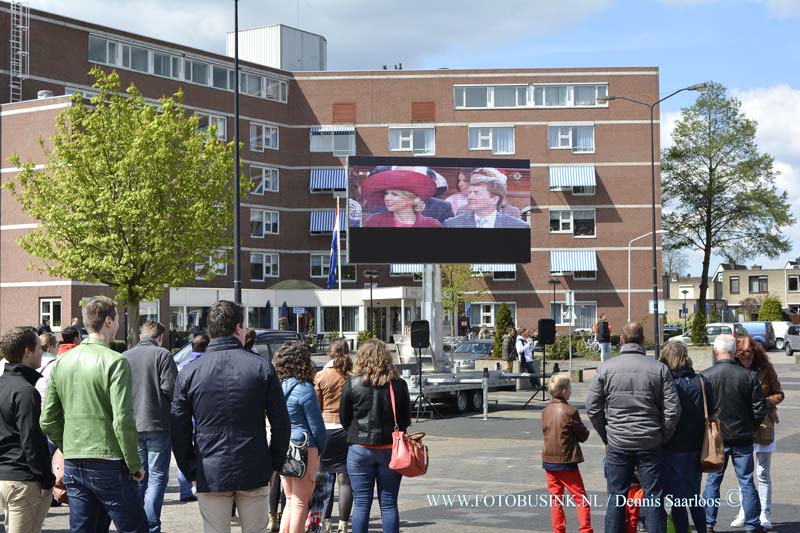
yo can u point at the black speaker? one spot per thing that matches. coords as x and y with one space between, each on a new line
420 334
547 331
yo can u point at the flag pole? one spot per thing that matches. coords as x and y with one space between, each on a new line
339 266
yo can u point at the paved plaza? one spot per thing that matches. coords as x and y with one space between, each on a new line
481 470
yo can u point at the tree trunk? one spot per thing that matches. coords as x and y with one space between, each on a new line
131 324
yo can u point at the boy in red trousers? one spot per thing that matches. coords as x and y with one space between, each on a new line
561 453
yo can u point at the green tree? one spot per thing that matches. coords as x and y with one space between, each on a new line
459 286
502 322
771 310
698 328
132 195
718 190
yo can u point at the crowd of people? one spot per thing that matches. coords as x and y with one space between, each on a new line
229 415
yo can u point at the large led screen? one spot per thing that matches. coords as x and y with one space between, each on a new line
438 210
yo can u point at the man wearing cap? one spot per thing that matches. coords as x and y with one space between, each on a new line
487 189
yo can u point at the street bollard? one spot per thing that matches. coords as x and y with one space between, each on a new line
485 393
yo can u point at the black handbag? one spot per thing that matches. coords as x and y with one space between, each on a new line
296 459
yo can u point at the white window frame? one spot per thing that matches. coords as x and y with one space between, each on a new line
797 280
327 143
260 133
560 313
500 280
520 101
591 275
566 138
487 318
325 259
274 261
218 263
570 221
174 64
268 181
601 89
486 139
268 217
406 140
188 70
220 120
49 314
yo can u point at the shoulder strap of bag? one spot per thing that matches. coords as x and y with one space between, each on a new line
705 401
394 410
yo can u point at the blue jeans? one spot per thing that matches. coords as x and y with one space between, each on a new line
154 450
365 466
742 457
683 478
532 370
619 474
185 486
101 491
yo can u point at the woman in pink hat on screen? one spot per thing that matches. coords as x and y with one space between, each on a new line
404 193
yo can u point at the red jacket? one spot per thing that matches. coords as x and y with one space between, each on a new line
386 220
65 347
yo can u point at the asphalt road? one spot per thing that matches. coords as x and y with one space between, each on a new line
486 475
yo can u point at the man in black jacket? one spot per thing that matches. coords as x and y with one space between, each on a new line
153 373
26 480
229 391
741 406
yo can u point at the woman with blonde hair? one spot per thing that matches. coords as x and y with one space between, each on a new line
751 355
682 453
296 371
366 413
329 384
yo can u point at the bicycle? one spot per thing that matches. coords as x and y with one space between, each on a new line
589 340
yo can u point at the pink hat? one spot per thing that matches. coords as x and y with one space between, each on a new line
374 186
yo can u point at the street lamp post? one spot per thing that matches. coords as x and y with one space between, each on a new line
237 201
684 292
371 274
629 266
695 87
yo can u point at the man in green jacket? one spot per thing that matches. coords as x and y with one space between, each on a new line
88 414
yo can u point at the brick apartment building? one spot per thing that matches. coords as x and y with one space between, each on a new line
590 175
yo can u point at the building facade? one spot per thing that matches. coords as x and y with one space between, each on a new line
590 177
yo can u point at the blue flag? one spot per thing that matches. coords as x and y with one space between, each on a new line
333 265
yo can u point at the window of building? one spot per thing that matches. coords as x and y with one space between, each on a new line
264 266
584 190
418 141
220 77
196 71
218 263
504 276
339 143
250 84
330 319
265 179
734 284
320 264
579 222
579 139
584 274
794 283
263 137
490 96
500 140
166 65
485 312
263 222
205 121
135 58
585 314
758 284
580 95
50 309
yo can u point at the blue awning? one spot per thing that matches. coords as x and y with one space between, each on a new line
328 179
405 269
322 221
573 260
336 130
572 176
485 268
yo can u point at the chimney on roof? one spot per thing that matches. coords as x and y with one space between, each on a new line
755 267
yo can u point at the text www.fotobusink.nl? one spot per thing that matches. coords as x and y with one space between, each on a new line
731 498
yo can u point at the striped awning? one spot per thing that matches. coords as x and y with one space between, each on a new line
328 179
322 221
573 260
483 269
405 269
336 130
572 176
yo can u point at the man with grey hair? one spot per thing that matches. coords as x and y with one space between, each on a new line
740 406
487 190
153 372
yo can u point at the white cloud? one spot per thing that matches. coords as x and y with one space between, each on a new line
668 121
362 34
783 8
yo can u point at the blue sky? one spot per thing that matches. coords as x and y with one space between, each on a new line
750 46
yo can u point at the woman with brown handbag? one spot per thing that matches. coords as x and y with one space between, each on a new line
366 413
751 355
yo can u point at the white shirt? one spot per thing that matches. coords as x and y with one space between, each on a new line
485 222
525 347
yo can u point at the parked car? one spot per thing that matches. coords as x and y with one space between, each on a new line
268 341
792 340
466 353
762 332
712 330
672 330
780 333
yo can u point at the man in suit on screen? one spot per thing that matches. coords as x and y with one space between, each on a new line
487 189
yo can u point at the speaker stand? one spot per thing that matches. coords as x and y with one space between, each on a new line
542 384
422 404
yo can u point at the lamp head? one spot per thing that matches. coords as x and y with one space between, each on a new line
554 281
698 87
605 99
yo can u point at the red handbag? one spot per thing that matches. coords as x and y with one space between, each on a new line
409 455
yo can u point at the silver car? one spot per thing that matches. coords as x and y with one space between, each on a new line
712 330
466 353
792 340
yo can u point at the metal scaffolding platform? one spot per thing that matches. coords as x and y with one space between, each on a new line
20 48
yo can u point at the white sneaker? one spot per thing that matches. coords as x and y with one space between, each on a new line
738 521
766 523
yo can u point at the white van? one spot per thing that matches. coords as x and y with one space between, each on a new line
780 334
